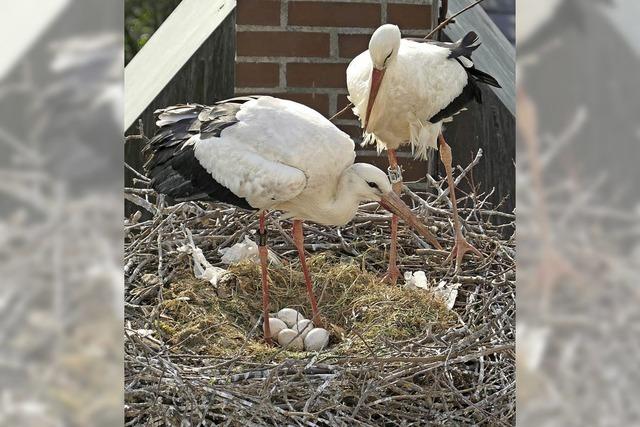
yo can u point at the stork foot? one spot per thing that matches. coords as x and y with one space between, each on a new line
391 276
318 321
460 248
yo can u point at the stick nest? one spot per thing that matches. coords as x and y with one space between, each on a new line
194 353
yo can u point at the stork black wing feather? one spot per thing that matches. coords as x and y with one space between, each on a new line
482 77
471 92
172 165
461 52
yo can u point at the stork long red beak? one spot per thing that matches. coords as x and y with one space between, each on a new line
392 202
376 80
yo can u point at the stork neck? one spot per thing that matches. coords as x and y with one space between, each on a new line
345 202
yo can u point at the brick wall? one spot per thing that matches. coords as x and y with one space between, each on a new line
300 49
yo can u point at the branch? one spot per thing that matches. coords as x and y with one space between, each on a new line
464 172
341 112
451 18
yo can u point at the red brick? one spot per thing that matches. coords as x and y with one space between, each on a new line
351 45
257 74
258 12
280 43
317 101
316 75
343 102
334 14
409 16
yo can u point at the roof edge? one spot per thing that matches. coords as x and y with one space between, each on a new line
166 52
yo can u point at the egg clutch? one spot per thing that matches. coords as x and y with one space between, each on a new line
294 332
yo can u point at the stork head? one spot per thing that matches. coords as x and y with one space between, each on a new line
384 45
372 185
383 49
369 182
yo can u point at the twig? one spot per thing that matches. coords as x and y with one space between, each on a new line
451 18
341 112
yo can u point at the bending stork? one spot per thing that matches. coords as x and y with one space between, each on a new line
402 91
266 153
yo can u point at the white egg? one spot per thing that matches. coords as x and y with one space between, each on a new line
275 326
290 316
290 339
316 340
303 327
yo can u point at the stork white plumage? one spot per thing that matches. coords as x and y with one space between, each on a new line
403 90
265 153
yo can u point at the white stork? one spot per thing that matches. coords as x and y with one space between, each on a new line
402 91
265 153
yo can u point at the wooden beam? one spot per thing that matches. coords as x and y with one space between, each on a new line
170 47
496 56
435 8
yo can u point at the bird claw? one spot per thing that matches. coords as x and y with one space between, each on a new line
318 321
391 276
460 248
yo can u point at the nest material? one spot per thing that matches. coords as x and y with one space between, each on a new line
397 356
357 308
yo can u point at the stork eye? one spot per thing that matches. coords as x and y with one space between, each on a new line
372 184
388 56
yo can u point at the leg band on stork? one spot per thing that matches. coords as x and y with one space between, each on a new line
395 174
262 237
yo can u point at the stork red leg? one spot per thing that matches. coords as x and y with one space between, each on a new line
298 239
461 246
264 254
393 272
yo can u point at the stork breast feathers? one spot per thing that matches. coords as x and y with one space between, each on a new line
420 82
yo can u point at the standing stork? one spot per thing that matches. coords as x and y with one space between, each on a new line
402 91
265 153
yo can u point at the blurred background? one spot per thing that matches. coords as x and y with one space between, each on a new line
61 281
577 212
61 208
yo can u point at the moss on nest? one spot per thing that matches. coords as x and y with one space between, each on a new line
361 312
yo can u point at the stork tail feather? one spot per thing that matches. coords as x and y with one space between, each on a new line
483 77
465 46
172 165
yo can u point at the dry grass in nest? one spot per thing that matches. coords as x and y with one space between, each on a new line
361 312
